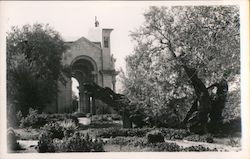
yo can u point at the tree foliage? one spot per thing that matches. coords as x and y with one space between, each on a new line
33 66
203 37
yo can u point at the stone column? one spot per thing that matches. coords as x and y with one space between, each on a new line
81 101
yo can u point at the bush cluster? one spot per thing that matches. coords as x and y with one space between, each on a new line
174 134
168 133
106 117
35 120
61 137
160 146
78 143
61 117
200 138
164 146
115 132
198 148
154 136
123 141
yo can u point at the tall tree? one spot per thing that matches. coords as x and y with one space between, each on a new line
173 47
33 66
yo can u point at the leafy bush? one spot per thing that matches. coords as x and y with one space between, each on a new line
61 117
125 141
234 142
12 143
172 134
106 117
69 127
155 136
164 146
200 138
45 143
33 119
115 132
78 143
54 130
198 148
160 146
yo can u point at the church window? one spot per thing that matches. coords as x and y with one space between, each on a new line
106 42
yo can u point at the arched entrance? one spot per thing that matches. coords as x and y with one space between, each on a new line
84 69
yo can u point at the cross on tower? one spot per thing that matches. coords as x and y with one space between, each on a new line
96 22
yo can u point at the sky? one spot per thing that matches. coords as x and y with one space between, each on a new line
73 19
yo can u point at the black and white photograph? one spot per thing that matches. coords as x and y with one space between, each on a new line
98 77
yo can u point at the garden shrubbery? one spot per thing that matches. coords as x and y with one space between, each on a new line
198 148
78 143
160 146
173 134
62 137
115 132
168 133
106 117
154 136
164 146
200 138
35 120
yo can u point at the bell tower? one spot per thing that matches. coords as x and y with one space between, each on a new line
101 37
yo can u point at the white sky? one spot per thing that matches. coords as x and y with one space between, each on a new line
73 19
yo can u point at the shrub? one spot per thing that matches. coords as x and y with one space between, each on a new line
54 130
61 117
79 143
173 134
76 143
106 117
170 134
198 148
123 141
12 143
45 143
198 138
164 146
68 126
19 116
115 132
155 136
33 119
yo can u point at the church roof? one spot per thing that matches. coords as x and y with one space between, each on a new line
94 44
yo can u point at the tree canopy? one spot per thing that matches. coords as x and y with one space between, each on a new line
206 38
33 66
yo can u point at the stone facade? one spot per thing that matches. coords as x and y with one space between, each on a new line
90 60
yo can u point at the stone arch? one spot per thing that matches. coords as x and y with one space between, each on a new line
85 57
84 69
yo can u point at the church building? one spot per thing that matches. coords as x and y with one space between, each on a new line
89 60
